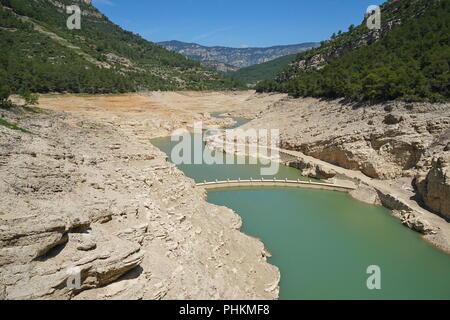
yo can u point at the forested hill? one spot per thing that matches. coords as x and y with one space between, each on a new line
253 74
39 53
408 59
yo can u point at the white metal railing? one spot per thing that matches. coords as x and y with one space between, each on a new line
272 182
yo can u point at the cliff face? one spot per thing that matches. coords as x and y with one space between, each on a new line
434 187
383 141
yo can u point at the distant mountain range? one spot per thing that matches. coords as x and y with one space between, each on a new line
227 59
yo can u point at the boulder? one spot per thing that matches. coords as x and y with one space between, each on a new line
310 169
324 173
367 194
434 187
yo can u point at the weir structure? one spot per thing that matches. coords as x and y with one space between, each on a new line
275 183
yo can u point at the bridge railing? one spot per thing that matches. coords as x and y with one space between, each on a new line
272 182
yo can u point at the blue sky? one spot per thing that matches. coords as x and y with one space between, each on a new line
236 23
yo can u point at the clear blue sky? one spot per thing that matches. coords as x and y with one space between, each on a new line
235 23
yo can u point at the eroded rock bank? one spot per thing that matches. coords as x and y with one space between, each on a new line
90 195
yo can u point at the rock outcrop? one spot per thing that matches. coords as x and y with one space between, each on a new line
313 170
367 194
415 222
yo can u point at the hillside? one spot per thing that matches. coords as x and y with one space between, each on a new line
267 70
40 53
235 57
408 59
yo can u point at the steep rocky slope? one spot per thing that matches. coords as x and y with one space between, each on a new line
95 197
340 44
393 12
434 186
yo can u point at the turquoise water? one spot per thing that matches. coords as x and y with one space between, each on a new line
323 241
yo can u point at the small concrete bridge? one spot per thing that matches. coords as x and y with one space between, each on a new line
275 183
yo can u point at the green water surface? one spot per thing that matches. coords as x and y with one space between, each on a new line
324 241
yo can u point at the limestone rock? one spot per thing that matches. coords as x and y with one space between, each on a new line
134 234
313 170
366 194
85 241
415 222
324 173
434 187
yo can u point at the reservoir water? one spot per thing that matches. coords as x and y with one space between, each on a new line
324 241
